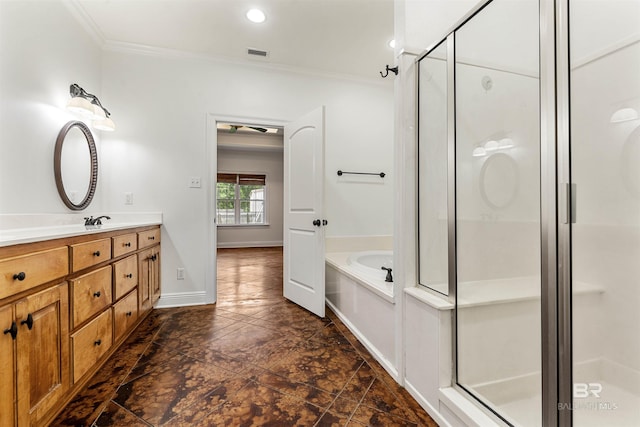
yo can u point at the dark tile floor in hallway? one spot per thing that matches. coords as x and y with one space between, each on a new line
252 359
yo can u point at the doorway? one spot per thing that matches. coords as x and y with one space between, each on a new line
246 209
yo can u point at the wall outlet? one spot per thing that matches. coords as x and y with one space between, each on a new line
180 274
128 198
194 182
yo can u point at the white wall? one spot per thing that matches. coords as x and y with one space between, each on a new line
269 163
161 106
43 50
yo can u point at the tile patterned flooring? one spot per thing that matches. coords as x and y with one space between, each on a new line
252 359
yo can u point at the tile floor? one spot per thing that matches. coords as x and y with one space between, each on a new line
251 359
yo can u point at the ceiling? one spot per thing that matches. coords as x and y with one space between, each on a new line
348 37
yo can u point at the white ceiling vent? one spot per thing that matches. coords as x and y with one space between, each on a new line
257 52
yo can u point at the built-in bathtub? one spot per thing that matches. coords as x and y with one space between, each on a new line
357 292
370 264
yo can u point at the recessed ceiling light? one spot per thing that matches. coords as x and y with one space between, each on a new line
392 43
256 15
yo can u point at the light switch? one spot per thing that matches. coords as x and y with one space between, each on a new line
180 274
128 198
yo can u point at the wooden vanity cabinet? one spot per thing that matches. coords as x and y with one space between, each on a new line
35 342
7 366
149 274
65 307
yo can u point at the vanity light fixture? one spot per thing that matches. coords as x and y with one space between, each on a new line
479 152
89 106
491 145
624 115
506 143
256 15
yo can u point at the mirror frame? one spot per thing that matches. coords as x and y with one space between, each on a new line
57 160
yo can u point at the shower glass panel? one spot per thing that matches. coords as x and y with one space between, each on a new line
498 313
604 49
432 170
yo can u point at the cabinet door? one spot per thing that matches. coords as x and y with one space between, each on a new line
144 275
43 352
7 369
155 276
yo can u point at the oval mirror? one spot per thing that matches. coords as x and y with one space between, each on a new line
499 181
75 164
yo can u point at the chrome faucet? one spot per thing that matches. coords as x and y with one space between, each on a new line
389 278
95 221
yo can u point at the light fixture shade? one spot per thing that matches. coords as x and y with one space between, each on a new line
98 113
506 143
479 152
491 145
81 106
624 115
105 124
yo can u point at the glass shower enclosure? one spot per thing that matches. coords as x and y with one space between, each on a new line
529 207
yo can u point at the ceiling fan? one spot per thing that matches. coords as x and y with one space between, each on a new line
234 128
238 128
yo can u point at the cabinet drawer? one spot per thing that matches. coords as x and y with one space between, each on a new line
24 272
148 238
90 343
125 314
85 255
90 294
125 275
124 244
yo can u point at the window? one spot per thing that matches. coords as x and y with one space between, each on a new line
240 199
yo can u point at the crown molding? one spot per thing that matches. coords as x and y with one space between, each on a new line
158 52
87 23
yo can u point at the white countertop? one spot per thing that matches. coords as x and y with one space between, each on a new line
28 228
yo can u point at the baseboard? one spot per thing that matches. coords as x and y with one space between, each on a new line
259 244
181 299
433 412
367 344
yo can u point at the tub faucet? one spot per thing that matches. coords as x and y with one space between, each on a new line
389 278
95 221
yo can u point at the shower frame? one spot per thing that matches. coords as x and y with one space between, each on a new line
555 206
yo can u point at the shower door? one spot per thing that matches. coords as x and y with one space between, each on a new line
604 76
498 310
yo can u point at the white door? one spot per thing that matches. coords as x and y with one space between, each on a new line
304 211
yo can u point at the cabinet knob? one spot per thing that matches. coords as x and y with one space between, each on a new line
97 342
128 244
129 276
13 330
20 276
97 294
152 237
96 253
28 321
129 313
